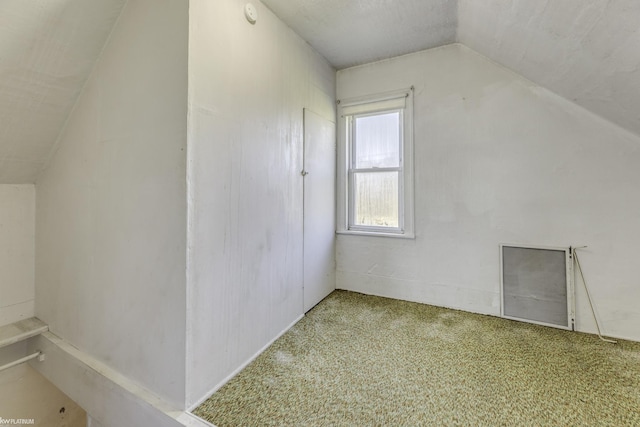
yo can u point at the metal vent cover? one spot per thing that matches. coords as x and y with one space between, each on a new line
536 285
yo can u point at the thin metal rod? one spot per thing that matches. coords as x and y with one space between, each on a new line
19 361
584 282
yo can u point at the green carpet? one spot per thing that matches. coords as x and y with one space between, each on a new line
358 360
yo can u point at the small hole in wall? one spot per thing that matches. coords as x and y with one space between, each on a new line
62 410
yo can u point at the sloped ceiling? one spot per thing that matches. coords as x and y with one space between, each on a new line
585 50
352 32
47 50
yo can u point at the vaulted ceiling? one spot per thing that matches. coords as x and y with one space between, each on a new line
355 32
47 50
585 50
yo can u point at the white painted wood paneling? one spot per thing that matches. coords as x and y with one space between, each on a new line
17 252
499 159
319 208
248 85
111 207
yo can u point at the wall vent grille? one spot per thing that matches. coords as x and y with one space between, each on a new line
537 286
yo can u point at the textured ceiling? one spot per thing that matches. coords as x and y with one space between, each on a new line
585 50
351 32
47 50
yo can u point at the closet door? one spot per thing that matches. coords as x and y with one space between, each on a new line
319 208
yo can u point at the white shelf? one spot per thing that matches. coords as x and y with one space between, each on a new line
22 330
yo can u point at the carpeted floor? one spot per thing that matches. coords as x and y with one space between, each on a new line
358 360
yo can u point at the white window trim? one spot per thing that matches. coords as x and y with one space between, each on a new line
388 101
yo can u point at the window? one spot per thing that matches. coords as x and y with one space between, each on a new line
376 165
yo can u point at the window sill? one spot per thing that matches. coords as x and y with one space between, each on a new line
409 236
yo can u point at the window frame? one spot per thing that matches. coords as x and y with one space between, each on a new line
348 111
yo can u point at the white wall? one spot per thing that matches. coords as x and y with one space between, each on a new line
111 206
248 85
501 160
17 252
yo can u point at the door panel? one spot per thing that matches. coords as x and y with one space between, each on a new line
319 208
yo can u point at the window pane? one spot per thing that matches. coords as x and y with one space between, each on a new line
377 141
376 199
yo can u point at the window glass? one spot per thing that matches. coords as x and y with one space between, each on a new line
377 140
376 199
